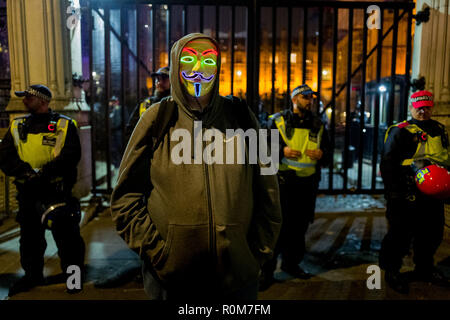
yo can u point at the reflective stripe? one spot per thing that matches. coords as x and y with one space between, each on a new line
62 126
301 141
431 149
297 164
15 132
50 209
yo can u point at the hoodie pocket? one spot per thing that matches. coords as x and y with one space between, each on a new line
236 262
185 253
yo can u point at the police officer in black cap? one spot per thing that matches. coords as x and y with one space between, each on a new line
304 149
41 151
162 89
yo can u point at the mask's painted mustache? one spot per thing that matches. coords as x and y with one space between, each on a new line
197 75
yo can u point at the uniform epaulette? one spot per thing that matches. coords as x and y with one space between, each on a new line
275 115
403 124
65 117
22 117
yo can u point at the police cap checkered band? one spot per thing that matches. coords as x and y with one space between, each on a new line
303 89
36 90
422 99
164 71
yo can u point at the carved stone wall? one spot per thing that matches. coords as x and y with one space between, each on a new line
431 55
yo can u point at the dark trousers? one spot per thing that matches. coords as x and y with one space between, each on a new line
156 291
298 203
420 223
71 247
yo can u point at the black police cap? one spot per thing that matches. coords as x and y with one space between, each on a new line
37 90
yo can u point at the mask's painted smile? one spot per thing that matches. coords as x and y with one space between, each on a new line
197 76
198 67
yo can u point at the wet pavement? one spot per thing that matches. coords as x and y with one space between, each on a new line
341 243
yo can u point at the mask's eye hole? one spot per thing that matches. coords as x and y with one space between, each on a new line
209 62
187 59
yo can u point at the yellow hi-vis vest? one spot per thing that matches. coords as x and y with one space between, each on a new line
301 140
40 148
144 106
429 148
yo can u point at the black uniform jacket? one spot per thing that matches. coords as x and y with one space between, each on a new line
400 145
65 165
308 121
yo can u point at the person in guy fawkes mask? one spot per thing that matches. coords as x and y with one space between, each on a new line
304 149
203 230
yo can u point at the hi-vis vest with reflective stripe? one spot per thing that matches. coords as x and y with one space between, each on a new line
40 148
429 148
301 140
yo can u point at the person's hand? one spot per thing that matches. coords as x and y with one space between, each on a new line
29 175
291 153
314 154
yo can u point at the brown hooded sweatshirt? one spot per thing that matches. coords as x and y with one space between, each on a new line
202 225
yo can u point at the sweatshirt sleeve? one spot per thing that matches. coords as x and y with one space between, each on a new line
129 198
266 222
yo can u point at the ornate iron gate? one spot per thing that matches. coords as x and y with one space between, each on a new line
361 75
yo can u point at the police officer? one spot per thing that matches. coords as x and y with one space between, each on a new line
42 150
162 89
412 216
304 148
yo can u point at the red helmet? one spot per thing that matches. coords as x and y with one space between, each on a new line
434 181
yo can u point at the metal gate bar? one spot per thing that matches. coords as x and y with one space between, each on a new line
138 52
403 111
289 50
362 122
108 95
233 29
274 46
305 39
348 96
390 118
319 58
377 103
123 24
333 99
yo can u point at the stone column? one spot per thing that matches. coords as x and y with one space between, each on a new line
44 51
431 55
39 49
431 59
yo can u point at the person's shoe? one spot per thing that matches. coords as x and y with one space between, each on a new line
434 276
266 281
25 284
397 282
296 272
